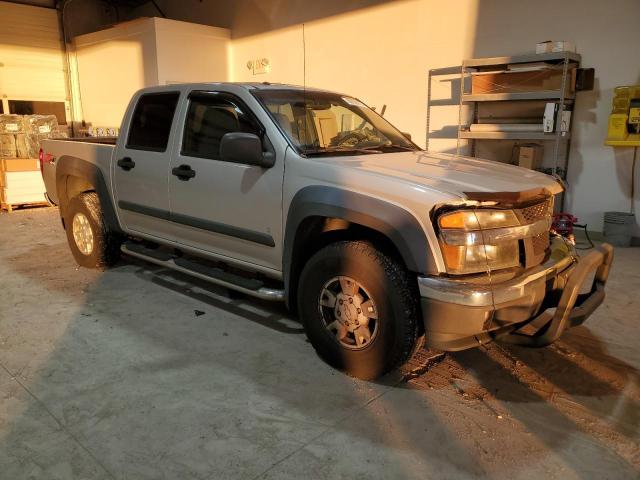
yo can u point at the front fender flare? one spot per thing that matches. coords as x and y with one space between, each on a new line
392 221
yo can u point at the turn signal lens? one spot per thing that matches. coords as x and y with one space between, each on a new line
456 220
478 219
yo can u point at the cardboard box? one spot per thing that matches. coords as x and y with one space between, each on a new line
552 46
528 155
551 121
549 118
19 165
515 82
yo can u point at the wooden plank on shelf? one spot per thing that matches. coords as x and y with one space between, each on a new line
9 207
496 97
19 165
21 180
527 58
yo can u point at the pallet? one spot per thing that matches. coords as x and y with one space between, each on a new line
9 207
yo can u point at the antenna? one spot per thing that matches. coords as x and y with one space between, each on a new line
304 82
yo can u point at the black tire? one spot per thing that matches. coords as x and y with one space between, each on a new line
106 243
386 282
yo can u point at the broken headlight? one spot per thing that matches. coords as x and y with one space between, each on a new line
475 241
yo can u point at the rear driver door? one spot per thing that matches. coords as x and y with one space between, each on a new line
141 166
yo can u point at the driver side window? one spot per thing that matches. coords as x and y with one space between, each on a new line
208 120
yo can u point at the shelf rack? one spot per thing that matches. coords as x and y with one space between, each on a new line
471 67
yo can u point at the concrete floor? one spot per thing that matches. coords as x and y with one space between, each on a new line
118 374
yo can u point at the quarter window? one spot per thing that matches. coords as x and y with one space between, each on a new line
209 118
151 122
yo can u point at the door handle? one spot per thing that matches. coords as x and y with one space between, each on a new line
126 163
183 172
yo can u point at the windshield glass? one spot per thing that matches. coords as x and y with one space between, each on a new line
317 123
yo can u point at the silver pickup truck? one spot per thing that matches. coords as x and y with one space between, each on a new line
310 197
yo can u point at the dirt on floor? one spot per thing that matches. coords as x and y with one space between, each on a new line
137 372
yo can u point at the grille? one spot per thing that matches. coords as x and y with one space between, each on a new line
535 212
540 243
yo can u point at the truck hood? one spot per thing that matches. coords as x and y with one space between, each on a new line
448 173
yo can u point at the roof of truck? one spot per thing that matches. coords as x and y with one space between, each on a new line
278 86
253 86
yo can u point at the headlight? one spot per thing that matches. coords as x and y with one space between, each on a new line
476 240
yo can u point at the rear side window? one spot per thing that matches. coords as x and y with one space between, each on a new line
151 122
209 118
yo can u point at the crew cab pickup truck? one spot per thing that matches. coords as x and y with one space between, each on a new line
310 197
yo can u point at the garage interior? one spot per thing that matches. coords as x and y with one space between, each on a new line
140 372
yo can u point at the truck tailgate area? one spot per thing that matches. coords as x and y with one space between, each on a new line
95 151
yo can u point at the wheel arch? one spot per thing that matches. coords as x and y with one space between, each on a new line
319 215
74 176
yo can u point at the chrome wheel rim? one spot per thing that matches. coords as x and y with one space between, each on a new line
348 312
82 233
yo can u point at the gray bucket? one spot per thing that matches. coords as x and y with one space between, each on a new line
618 228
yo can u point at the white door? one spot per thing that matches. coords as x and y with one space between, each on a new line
31 54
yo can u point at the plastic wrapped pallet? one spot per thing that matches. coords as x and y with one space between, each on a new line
11 124
28 144
40 124
7 145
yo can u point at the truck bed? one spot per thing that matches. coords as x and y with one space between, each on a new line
94 150
101 140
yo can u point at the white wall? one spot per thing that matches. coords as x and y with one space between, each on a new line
382 50
606 35
191 53
114 63
382 55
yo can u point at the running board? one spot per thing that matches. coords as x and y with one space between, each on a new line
248 286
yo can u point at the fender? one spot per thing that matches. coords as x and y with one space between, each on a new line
77 167
398 225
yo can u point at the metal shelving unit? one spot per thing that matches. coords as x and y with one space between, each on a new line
561 60
467 135
436 72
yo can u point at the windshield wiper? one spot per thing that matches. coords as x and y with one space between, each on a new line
340 149
394 145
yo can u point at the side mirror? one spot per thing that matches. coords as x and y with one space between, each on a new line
407 135
238 147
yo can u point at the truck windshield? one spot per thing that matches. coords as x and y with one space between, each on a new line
319 123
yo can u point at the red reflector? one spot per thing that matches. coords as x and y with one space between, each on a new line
41 159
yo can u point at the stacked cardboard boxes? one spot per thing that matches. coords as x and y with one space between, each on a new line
20 135
20 182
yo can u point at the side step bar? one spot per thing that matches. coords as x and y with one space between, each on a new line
248 286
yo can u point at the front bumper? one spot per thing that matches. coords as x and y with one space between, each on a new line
533 309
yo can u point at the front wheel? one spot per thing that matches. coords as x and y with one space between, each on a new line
92 243
358 309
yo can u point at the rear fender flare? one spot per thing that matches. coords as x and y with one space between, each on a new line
72 166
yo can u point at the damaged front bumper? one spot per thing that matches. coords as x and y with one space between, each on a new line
532 309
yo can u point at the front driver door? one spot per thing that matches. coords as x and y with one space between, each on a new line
141 166
231 210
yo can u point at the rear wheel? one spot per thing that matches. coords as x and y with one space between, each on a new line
92 243
358 309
